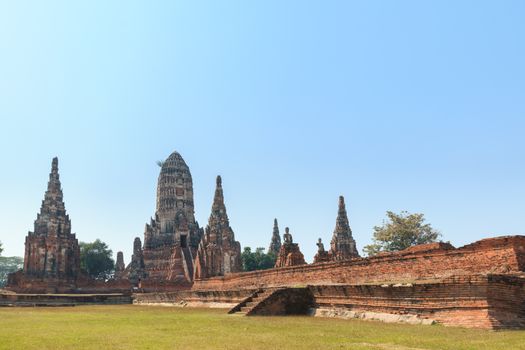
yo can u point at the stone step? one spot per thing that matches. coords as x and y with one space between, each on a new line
263 295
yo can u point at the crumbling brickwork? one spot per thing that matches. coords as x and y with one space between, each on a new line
171 238
343 245
52 254
434 260
289 254
135 272
219 253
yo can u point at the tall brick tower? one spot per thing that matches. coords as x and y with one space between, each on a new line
342 245
172 237
275 244
52 254
219 253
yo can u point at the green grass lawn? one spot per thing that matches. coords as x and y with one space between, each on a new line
144 327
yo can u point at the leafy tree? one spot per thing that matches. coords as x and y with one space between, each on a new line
8 265
1 249
257 260
401 231
96 259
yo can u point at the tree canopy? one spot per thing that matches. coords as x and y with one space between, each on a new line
1 249
8 265
257 260
401 231
96 259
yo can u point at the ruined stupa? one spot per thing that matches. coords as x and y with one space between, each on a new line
219 253
342 246
52 254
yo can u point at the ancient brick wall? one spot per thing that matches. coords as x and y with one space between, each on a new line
21 283
287 301
431 261
476 301
62 299
223 299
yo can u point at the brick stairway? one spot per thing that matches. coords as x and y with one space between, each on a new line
245 307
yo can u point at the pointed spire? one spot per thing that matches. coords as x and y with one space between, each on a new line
218 220
275 243
54 166
342 225
342 245
52 218
54 190
218 253
218 207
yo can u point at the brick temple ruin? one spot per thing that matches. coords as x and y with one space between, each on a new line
480 285
52 254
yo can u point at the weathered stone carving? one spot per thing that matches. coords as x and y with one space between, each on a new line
342 246
275 244
171 239
322 255
219 253
289 254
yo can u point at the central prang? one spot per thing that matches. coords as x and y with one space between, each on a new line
172 238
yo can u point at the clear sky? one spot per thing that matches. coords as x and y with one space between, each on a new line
397 105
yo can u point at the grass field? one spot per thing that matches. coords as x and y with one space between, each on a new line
143 327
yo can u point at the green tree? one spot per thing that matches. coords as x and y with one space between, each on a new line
96 259
1 249
257 260
8 265
401 231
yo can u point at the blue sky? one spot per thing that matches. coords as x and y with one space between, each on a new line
404 105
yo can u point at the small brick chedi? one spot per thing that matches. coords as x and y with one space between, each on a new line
289 254
171 238
342 246
219 253
52 254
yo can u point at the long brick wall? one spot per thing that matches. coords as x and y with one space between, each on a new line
218 299
425 262
476 301
14 299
